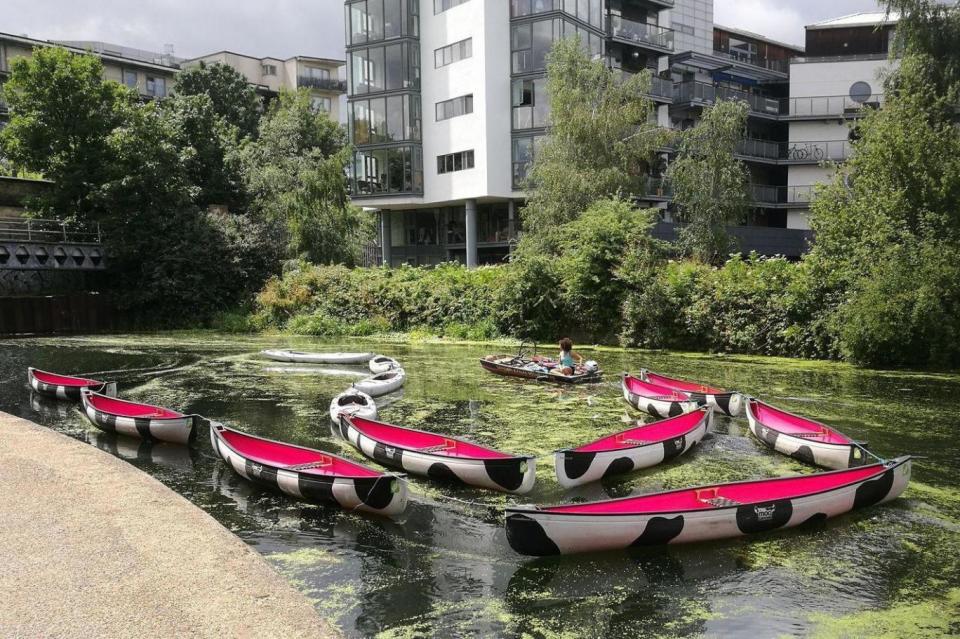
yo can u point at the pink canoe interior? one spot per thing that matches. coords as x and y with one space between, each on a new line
645 389
681 385
282 455
760 491
788 424
64 380
423 441
124 408
646 434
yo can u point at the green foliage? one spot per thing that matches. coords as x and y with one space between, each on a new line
295 174
231 96
709 183
61 114
599 142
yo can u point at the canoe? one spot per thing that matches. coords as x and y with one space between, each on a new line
659 401
703 513
353 402
381 384
308 474
138 420
639 447
802 438
729 403
301 357
535 369
66 387
382 364
439 456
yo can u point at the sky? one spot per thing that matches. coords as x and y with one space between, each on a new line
285 28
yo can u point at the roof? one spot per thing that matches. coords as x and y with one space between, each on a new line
306 58
757 36
33 42
865 19
119 50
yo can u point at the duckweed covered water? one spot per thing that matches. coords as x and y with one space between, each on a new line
444 569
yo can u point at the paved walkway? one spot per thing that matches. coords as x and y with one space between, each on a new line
92 547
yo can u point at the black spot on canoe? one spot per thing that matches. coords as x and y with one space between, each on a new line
619 466
673 447
815 519
654 412
442 472
770 515
389 455
675 409
804 454
575 464
659 531
506 472
143 427
107 422
317 488
873 491
376 492
527 537
857 457
767 435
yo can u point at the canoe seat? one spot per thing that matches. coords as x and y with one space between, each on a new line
324 461
823 432
448 444
632 442
711 497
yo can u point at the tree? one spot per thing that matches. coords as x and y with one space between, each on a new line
599 141
230 94
709 183
61 114
296 175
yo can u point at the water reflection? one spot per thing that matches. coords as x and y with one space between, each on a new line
139 451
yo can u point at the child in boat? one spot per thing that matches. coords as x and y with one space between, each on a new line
568 359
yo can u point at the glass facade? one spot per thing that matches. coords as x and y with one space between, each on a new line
530 42
588 11
376 20
392 118
523 151
391 67
530 103
380 171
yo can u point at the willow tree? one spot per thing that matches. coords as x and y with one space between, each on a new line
599 140
709 182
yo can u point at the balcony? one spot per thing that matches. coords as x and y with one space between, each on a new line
837 106
691 91
323 84
777 66
640 34
782 196
805 152
764 150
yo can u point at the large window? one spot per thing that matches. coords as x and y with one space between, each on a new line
589 11
157 87
386 68
391 170
455 107
530 102
453 53
393 118
523 152
530 42
439 6
453 162
376 20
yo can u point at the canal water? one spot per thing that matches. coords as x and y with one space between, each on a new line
444 568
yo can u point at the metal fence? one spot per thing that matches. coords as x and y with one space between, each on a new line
15 229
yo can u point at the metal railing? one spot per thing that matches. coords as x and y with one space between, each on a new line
805 152
16 229
640 33
768 194
764 149
324 84
694 91
779 66
830 106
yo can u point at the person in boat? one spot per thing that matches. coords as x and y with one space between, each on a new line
568 359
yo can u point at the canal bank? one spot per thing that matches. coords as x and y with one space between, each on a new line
91 546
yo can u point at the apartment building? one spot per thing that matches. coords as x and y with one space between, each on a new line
447 98
321 76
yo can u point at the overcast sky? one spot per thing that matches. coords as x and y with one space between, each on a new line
285 28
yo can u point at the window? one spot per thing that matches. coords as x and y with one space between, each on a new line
374 20
531 42
156 87
684 28
455 162
393 170
386 68
530 102
439 6
386 119
130 78
453 53
269 69
523 153
455 107
318 73
322 105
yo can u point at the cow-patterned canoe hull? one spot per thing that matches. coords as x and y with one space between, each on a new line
539 532
66 392
578 467
833 455
175 430
660 406
382 494
505 474
729 403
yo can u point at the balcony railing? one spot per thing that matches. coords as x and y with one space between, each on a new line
15 229
779 66
640 33
693 91
763 149
830 106
767 194
324 84
812 152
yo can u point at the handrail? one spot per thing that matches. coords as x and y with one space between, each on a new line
640 32
15 229
324 84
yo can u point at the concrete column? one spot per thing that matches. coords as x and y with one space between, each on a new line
471 220
385 237
512 219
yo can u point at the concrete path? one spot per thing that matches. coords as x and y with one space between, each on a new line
92 547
